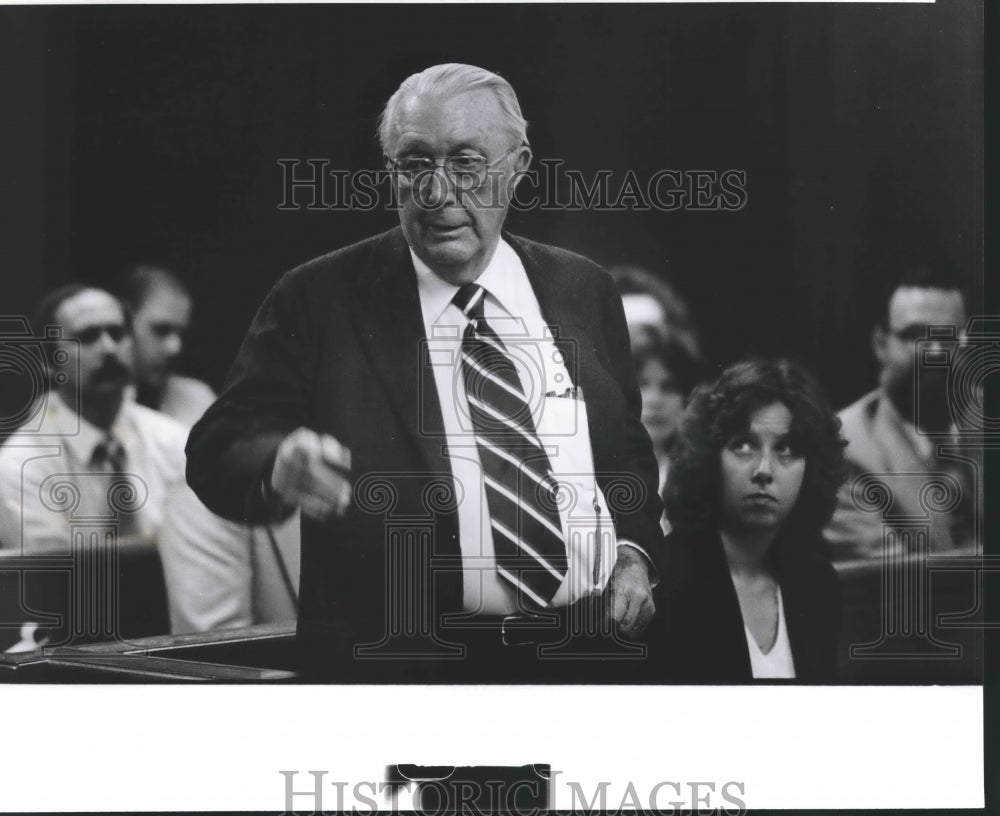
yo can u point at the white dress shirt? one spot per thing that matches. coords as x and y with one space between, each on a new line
50 486
37 512
512 310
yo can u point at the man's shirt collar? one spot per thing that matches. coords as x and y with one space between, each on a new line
75 432
78 435
504 278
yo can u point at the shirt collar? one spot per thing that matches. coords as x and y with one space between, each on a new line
75 432
503 278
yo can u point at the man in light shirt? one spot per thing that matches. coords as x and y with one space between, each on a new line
161 309
902 436
92 468
161 316
350 399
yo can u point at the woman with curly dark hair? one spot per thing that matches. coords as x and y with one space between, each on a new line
749 591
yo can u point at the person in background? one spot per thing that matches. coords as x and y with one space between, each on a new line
666 353
161 315
98 457
667 374
654 310
161 309
898 433
749 591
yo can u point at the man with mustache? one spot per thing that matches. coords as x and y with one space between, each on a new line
455 411
900 433
90 456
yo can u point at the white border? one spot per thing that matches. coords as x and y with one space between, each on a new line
121 748
117 748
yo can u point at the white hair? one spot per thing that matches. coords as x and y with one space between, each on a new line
449 79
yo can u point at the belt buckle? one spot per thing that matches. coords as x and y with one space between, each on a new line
510 636
504 632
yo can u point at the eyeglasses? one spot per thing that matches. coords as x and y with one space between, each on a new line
912 333
467 171
91 334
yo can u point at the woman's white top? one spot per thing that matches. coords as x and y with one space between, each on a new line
778 662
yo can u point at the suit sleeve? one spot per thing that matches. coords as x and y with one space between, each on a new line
642 526
266 396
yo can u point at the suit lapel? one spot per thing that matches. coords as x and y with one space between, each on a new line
730 640
557 304
390 323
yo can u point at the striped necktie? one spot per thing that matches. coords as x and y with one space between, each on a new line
521 491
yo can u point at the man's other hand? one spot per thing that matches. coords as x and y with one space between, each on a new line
630 599
311 472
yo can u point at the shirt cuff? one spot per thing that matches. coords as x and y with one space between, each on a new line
654 577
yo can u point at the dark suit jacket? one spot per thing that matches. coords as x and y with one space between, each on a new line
338 346
698 635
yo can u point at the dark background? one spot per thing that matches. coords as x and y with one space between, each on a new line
154 133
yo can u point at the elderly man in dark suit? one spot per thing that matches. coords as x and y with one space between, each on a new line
455 412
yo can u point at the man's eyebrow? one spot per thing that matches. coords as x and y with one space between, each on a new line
410 144
918 326
420 146
90 328
467 145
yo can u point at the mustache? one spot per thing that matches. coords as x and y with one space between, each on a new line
112 370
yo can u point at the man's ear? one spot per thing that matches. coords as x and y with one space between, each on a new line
523 159
880 339
521 163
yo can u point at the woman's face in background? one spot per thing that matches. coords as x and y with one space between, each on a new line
662 402
762 472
